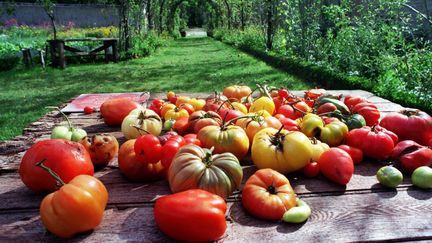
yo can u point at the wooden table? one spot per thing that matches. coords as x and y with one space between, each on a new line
58 47
361 211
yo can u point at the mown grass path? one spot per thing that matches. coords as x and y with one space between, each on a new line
191 64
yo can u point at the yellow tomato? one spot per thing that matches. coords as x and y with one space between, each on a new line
318 148
239 106
182 100
166 107
282 151
176 113
198 104
263 103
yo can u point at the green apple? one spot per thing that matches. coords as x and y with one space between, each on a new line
78 134
61 132
422 177
389 176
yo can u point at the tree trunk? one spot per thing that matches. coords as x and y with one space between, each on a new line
161 9
149 15
229 13
269 39
124 25
53 25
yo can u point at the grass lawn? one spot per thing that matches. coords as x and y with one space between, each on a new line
184 65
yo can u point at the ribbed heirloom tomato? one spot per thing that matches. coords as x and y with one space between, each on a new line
268 194
194 167
76 207
67 159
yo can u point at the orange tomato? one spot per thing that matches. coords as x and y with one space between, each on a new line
256 123
268 194
236 92
76 207
115 110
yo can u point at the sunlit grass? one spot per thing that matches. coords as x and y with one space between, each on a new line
185 65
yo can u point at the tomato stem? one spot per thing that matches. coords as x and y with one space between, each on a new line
140 129
59 181
63 114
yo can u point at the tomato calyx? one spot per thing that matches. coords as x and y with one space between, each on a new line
410 112
272 190
277 139
207 160
59 181
142 116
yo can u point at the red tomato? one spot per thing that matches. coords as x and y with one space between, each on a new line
412 155
89 109
376 144
66 158
327 107
355 153
289 124
181 125
369 111
268 194
148 149
169 150
278 101
351 101
158 102
303 107
192 138
336 165
191 216
136 170
311 170
410 124
188 107
314 94
283 93
287 111
115 110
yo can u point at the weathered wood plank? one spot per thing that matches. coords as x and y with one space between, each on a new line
366 217
15 195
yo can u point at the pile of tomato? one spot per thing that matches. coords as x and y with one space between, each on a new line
198 146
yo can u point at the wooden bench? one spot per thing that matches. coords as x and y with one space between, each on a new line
361 211
58 47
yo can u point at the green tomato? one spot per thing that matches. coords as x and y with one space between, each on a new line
78 134
61 132
389 176
422 177
168 124
297 214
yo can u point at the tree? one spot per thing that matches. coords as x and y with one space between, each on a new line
49 7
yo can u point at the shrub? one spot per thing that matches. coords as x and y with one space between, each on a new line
8 61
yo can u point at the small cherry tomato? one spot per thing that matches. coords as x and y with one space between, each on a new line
89 109
311 170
